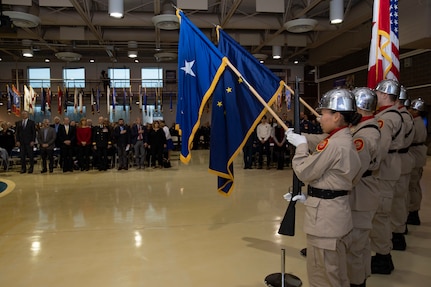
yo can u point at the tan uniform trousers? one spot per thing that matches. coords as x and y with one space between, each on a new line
399 211
415 190
381 233
359 253
325 267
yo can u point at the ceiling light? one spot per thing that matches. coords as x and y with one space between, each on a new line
336 11
136 61
296 62
68 56
161 57
28 52
166 22
260 57
22 19
91 60
276 52
47 60
132 45
300 25
116 8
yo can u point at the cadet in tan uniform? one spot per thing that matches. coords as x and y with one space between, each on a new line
329 172
399 203
392 134
364 197
418 150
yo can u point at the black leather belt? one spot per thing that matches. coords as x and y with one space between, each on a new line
417 144
403 150
325 193
367 173
392 151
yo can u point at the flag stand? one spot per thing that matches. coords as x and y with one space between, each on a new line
282 279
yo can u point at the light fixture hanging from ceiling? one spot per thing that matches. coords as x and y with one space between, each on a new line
116 8
132 53
276 52
27 52
336 11
167 20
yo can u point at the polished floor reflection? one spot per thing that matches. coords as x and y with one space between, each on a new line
165 227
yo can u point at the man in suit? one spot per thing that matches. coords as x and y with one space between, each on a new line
139 141
67 134
122 138
25 138
46 139
57 150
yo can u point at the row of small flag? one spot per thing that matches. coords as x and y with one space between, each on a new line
64 100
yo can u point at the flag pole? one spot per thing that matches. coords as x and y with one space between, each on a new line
261 100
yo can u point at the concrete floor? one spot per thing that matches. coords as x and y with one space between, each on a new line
166 227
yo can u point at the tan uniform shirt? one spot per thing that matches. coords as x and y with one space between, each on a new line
333 165
409 133
392 139
366 136
419 152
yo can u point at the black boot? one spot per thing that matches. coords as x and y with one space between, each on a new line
398 242
413 218
381 264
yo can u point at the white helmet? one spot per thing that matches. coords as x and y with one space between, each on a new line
339 100
418 104
403 94
366 99
389 86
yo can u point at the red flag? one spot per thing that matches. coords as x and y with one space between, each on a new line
60 103
384 49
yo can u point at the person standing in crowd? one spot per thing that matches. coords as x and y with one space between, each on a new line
330 173
57 150
157 144
392 137
101 142
279 144
46 139
122 139
83 142
418 150
7 138
67 134
263 132
364 197
25 140
139 141
399 203
169 144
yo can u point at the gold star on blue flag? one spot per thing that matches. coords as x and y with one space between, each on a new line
234 121
200 66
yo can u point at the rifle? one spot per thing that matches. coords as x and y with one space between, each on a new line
287 226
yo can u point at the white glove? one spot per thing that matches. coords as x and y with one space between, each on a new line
295 139
288 196
300 197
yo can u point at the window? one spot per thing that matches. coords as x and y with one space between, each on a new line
120 78
39 77
152 77
74 77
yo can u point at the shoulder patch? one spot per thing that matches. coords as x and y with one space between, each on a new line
359 144
322 145
381 123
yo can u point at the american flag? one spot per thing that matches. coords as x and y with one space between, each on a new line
384 50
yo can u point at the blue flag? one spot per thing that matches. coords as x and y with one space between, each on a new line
236 111
200 65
